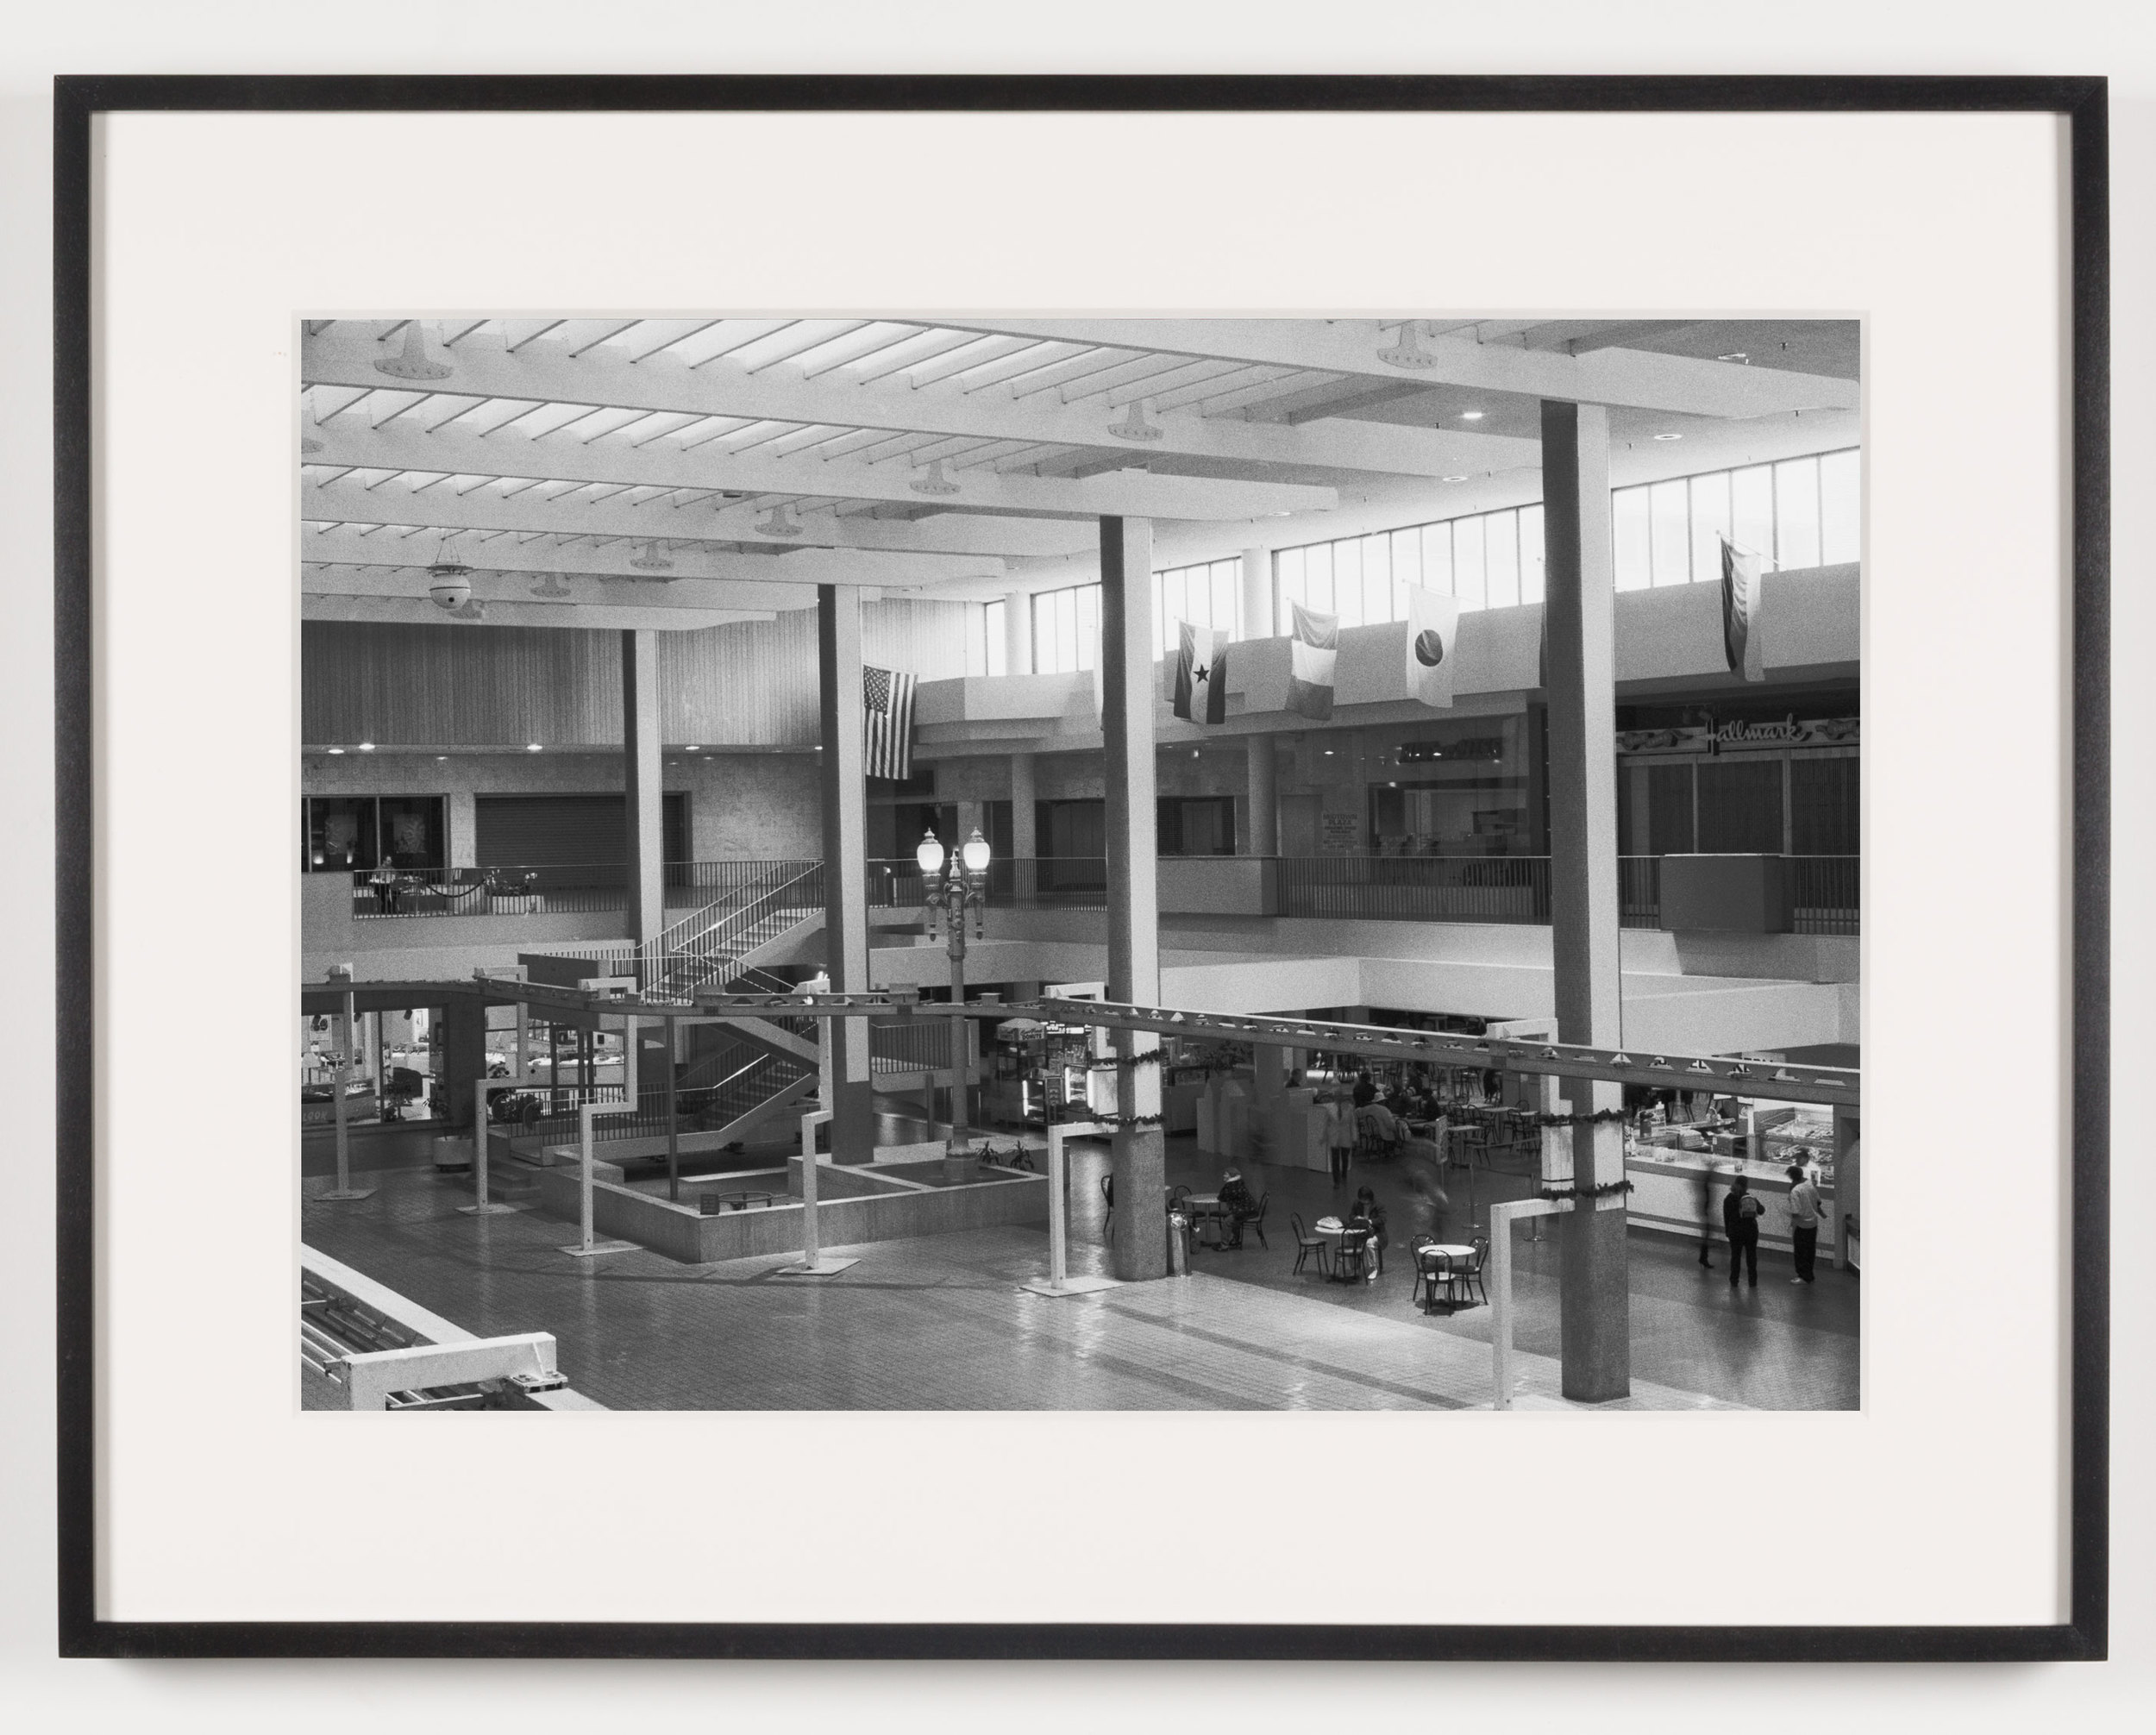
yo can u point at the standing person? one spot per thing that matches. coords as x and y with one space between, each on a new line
383 880
1804 1214
1707 1217
1741 1212
1365 1090
1339 1137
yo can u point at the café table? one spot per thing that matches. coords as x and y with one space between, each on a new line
1342 1236
1205 1207
1452 1250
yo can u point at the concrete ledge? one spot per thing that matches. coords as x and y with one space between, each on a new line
890 1213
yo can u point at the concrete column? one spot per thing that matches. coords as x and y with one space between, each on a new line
1024 880
843 791
1017 633
462 819
1258 593
1594 1287
643 777
463 1053
1126 690
1262 800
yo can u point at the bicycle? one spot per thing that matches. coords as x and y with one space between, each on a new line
1015 1156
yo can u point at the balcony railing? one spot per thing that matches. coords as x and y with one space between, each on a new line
573 889
1824 891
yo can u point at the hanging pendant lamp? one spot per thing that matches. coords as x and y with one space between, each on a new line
779 521
413 362
1134 424
651 560
1408 350
933 481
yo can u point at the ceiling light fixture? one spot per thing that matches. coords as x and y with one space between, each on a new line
1734 355
1407 350
413 362
553 588
448 581
533 747
1472 415
779 521
1669 436
1134 424
337 752
366 746
1452 478
933 481
651 560
695 749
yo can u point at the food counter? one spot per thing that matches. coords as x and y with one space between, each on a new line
1680 1177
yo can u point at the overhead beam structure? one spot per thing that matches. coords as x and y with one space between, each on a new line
398 448
332 497
550 373
413 546
1618 377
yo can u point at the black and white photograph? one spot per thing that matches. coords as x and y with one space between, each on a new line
900 862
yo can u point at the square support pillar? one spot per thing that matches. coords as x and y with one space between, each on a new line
643 780
1024 880
1594 1284
1017 633
1262 763
1139 1161
844 790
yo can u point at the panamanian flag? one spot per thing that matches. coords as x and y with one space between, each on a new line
1741 594
1201 674
1312 654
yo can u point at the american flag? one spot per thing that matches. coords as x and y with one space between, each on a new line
886 723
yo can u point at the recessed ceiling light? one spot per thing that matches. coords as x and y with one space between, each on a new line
1452 478
1472 415
1669 436
1734 355
336 749
693 749
532 747
441 759
366 746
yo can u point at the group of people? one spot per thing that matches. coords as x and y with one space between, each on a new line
1741 1212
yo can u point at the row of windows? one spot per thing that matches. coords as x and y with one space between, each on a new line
986 648
1806 512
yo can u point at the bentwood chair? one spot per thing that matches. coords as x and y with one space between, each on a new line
1350 1259
1306 1245
1431 1269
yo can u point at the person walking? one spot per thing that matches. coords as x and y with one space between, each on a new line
1741 1212
1804 1214
1339 1137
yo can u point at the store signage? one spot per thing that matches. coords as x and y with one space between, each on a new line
1827 731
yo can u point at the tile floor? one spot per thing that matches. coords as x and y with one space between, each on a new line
940 1323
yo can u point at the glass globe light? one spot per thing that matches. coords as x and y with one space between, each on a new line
929 853
976 853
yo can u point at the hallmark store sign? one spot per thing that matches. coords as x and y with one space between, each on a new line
1827 731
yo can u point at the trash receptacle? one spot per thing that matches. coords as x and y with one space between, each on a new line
451 1152
1178 1244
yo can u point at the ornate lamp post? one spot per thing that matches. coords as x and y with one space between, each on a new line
963 884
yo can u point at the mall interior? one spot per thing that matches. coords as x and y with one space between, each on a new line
694 712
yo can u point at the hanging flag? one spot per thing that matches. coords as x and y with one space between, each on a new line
1741 593
1432 624
1311 655
1201 674
886 723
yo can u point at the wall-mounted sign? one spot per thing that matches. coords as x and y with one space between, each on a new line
1826 731
1342 831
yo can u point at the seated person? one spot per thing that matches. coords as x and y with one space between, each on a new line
1235 1206
1365 1091
1379 1121
1368 1215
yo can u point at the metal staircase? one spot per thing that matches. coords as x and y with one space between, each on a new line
727 939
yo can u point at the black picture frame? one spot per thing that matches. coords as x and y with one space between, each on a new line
2081 102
